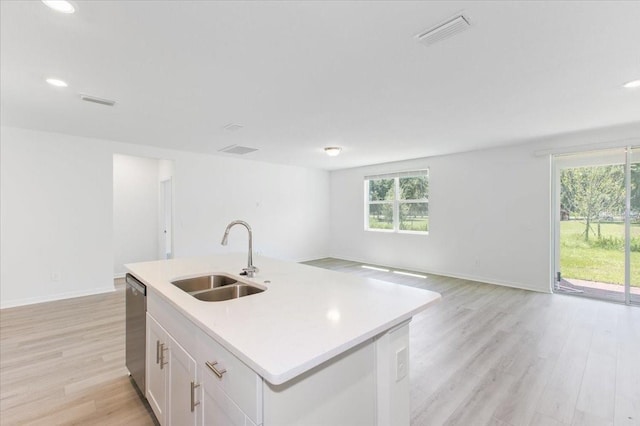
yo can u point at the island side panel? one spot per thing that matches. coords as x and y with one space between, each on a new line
393 399
340 391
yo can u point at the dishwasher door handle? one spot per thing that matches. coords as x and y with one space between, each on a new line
135 284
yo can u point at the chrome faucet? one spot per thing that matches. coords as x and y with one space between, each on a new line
250 270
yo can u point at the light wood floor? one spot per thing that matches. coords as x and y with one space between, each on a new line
485 355
490 355
62 362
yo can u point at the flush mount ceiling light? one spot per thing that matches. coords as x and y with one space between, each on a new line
632 84
60 6
332 151
57 82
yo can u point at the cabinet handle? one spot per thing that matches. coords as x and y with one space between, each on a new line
157 351
162 349
194 403
212 367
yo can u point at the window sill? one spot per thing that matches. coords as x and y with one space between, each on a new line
391 231
414 232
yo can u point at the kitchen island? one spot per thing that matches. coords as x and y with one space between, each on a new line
315 347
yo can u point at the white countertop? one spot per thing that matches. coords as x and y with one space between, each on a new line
306 316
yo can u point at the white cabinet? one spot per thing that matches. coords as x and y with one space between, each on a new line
172 389
193 380
156 377
182 387
232 391
218 389
218 408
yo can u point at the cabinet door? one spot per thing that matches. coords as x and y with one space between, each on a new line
184 392
157 367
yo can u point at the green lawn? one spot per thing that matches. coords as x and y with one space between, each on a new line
599 259
416 224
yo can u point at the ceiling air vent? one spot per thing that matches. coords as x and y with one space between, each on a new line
233 127
444 30
96 100
237 149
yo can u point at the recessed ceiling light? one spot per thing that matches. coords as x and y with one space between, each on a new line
332 151
632 84
60 6
56 82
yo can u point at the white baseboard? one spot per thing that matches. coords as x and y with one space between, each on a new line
120 275
492 282
50 298
483 280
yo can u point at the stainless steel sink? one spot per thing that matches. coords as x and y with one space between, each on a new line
216 287
206 282
233 291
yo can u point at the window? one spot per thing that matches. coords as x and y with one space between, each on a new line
397 202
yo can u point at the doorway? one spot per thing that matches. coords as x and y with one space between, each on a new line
166 219
142 210
597 224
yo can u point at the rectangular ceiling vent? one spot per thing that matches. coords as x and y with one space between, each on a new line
233 127
444 30
237 149
96 100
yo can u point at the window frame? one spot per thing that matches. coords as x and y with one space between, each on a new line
396 202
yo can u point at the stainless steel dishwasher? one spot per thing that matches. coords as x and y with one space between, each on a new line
136 308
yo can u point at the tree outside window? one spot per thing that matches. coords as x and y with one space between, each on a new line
398 202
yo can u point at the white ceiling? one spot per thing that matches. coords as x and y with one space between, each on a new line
300 76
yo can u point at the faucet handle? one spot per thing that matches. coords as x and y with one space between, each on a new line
250 271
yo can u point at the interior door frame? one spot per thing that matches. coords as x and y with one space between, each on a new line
166 224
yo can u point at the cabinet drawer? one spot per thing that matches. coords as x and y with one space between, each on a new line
176 324
218 408
237 380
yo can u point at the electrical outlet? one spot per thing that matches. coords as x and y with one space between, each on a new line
55 276
401 364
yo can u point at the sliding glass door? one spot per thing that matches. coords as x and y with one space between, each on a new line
597 210
634 226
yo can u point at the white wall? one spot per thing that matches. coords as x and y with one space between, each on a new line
57 213
490 213
136 186
56 217
287 208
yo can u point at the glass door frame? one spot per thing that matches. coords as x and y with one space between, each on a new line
556 167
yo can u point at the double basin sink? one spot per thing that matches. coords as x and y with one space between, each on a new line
216 287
